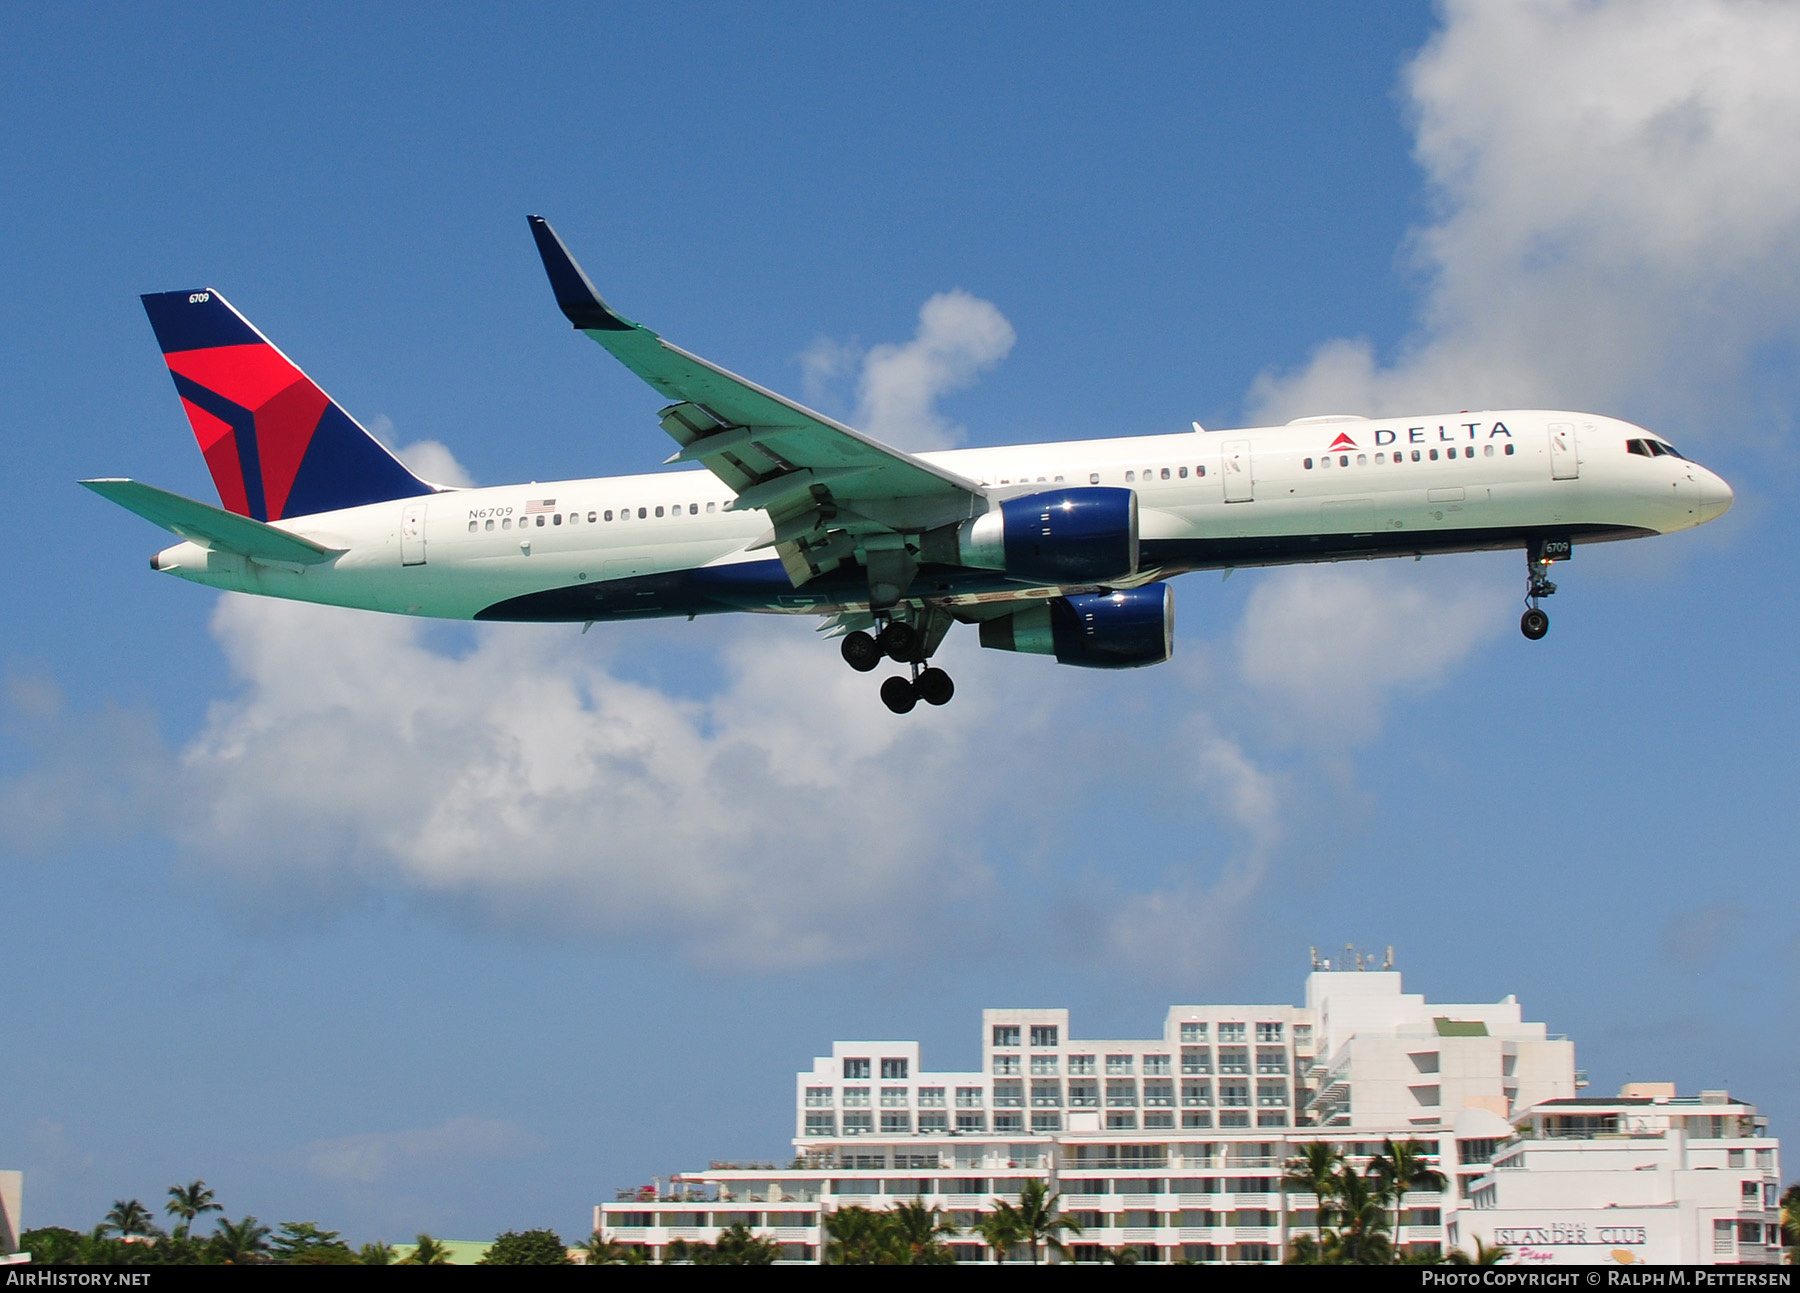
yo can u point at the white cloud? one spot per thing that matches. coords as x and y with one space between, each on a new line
1324 647
380 1156
899 383
1618 213
758 827
432 461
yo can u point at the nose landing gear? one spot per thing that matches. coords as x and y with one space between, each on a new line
1535 622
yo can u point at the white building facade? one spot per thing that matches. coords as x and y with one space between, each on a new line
1174 1146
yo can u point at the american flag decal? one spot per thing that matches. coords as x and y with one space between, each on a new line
540 505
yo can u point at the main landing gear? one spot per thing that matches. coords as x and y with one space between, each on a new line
904 644
1535 622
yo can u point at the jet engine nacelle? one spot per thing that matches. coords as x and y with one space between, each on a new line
1122 630
1058 536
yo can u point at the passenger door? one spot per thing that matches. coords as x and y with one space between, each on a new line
1565 459
1240 485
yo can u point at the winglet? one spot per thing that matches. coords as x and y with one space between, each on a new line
575 294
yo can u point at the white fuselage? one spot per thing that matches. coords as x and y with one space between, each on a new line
1269 495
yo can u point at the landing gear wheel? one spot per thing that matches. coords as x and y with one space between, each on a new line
900 641
1534 623
934 687
899 695
860 651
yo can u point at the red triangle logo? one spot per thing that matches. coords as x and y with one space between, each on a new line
1342 442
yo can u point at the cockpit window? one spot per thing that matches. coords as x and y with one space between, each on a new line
1639 447
1667 448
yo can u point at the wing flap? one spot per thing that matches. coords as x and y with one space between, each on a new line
212 527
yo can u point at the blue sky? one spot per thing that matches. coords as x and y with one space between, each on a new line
402 927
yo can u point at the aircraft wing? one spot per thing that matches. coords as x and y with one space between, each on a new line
212 527
824 485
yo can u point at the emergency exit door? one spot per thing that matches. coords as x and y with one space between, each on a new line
1240 486
412 535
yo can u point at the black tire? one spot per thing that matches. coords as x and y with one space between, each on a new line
900 641
860 651
1534 623
899 695
935 687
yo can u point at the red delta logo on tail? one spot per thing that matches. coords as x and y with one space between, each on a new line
276 444
1342 442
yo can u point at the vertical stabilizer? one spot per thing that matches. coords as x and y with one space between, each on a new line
276 444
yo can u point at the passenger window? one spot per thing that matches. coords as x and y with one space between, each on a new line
1415 455
1057 480
540 520
607 514
1468 451
1165 473
659 511
471 527
1182 472
506 524
1040 480
557 518
709 507
642 513
1200 471
1093 478
693 509
1362 460
1487 451
1129 477
1308 464
1380 458
1343 460
489 525
1509 449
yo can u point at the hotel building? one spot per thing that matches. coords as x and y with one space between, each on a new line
1175 1146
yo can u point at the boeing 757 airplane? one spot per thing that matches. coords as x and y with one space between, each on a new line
1063 549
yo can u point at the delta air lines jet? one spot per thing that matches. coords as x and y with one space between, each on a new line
1062 549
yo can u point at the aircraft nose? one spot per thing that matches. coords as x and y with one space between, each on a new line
1715 496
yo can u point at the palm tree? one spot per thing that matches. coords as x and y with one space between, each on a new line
427 1252
1399 1170
1039 1222
1790 1222
1001 1229
853 1237
128 1217
189 1203
916 1235
239 1242
1314 1172
602 1251
1362 1237
376 1254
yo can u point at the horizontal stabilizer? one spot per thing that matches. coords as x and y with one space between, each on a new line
210 526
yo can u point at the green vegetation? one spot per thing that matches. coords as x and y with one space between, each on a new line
527 1248
914 1234
1353 1226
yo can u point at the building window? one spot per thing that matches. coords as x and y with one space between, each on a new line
1116 1121
1006 1035
893 1097
1043 1066
1271 1062
1196 1059
1155 1064
1080 1065
931 1097
821 1124
1118 1063
1303 1035
1231 1032
893 1070
1191 1119
968 1097
858 1124
1009 1122
1007 1064
971 1121
896 1123
1193 1032
855 1070
1234 1059
1155 1119
1231 1094
1268 1032
930 1122
1009 1095
1046 1095
1229 1118
1121 1094
1043 1034
1046 1121
818 1097
1270 1095
1159 1093
1084 1095
1196 1094
856 1097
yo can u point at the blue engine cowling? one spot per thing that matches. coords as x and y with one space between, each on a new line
1071 536
1121 630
